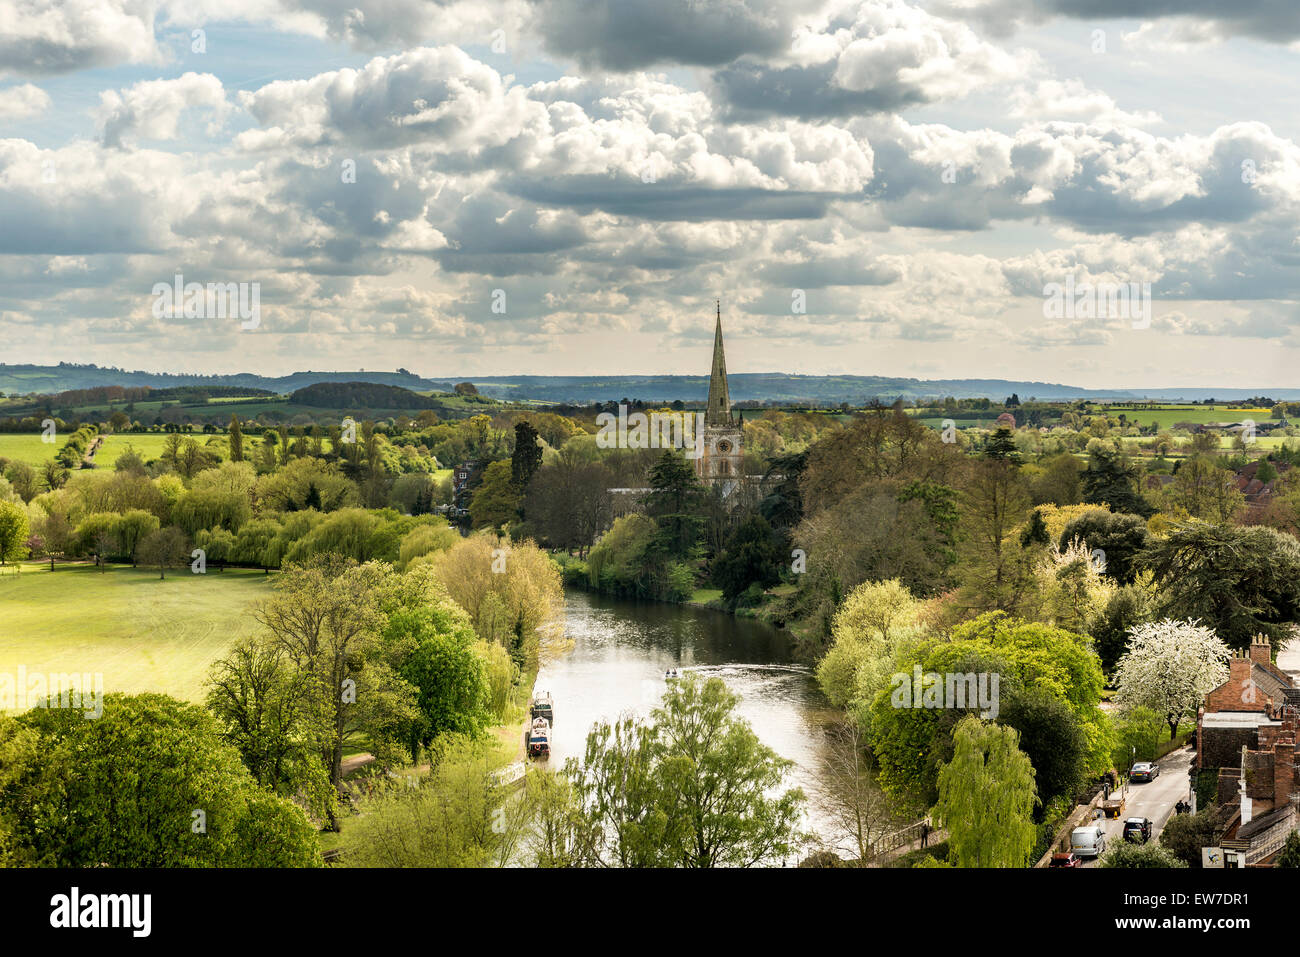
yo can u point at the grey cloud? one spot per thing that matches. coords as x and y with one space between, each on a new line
631 34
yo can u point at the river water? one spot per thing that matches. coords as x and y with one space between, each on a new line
622 648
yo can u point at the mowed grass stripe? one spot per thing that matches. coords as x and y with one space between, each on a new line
141 633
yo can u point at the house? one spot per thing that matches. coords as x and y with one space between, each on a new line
1247 736
1257 491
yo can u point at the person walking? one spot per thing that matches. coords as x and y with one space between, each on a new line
925 833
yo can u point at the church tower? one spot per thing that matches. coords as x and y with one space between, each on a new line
720 463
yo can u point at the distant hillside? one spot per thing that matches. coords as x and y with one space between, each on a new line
361 395
825 390
26 379
776 387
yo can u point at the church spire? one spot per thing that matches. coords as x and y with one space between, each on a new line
719 409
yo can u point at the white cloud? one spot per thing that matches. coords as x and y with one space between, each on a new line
152 109
23 100
42 37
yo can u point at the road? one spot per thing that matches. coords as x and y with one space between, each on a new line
1155 800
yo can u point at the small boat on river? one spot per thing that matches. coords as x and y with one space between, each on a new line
539 739
542 707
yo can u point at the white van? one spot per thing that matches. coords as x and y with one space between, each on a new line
1088 841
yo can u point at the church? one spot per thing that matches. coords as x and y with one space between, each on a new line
720 459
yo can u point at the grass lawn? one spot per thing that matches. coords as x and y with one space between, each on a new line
27 448
140 633
30 449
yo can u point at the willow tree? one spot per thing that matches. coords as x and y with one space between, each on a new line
986 797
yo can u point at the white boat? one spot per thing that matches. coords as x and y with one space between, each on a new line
539 738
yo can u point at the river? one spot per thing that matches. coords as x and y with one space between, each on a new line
621 649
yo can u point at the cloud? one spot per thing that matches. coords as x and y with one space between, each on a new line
152 109
21 101
46 37
431 94
633 34
1273 21
872 57
1072 100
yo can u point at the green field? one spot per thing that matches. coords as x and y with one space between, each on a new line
30 449
1168 415
140 633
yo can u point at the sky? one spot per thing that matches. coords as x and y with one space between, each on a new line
564 187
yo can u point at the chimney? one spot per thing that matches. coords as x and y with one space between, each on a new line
1261 652
1247 806
1283 771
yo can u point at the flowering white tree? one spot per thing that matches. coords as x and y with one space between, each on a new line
1169 667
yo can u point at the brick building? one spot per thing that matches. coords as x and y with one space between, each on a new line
1247 736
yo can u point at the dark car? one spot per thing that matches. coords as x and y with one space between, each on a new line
1144 771
1065 859
1137 830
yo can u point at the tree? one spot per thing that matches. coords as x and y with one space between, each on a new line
1056 480
870 628
1205 489
721 780
1120 537
623 817
1127 607
236 438
1110 480
1035 531
1001 447
325 617
264 710
24 480
133 528
910 743
1239 581
459 817
512 593
1051 738
164 549
553 818
433 647
1139 733
1290 853
14 530
568 502
879 532
149 784
987 797
994 502
1128 855
527 456
1185 834
496 500
1170 666
55 475
675 502
693 787
752 557
861 811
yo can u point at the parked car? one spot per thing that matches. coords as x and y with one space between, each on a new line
1144 771
1137 830
1065 859
1088 841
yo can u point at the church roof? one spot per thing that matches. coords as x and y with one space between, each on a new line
719 408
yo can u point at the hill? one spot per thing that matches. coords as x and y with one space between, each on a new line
28 379
778 387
